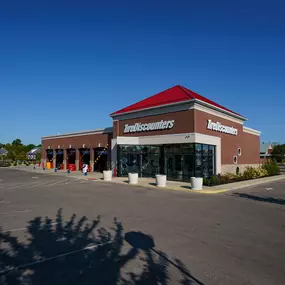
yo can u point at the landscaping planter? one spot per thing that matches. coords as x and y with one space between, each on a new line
196 183
107 174
133 178
160 180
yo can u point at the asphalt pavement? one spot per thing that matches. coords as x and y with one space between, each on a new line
173 237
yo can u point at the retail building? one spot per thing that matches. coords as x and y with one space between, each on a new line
176 132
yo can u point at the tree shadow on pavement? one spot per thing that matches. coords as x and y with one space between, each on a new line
272 200
79 252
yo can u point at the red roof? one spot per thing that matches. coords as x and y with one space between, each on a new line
172 95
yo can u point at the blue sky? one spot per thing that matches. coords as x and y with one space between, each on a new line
66 65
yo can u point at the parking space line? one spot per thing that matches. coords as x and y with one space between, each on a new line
42 184
89 247
22 185
14 184
70 181
58 182
16 212
22 229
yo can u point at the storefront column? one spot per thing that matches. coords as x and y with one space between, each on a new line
77 157
114 157
64 158
43 163
91 159
54 158
43 158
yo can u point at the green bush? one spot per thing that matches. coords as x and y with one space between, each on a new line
15 163
271 167
4 163
215 180
249 173
226 178
206 181
254 172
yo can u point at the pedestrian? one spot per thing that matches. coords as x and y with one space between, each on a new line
85 169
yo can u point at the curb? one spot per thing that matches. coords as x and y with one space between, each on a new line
172 189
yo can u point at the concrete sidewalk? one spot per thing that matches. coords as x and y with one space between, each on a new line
150 182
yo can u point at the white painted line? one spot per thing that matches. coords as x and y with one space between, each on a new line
22 229
34 177
14 184
41 184
16 212
90 247
268 189
1 180
55 183
70 181
22 185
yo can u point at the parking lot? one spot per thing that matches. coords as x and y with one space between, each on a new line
232 238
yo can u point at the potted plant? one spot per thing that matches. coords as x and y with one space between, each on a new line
133 178
196 183
160 180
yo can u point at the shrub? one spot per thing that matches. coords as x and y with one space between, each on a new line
254 172
261 172
206 181
215 180
271 167
15 163
226 178
4 163
249 173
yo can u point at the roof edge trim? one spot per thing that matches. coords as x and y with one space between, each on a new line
98 131
181 103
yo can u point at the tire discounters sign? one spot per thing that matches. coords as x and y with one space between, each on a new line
218 127
154 126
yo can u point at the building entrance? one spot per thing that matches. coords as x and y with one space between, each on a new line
178 161
101 158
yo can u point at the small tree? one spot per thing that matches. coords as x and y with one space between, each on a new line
278 152
38 157
30 147
17 142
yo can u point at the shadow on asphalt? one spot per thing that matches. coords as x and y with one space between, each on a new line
272 200
78 252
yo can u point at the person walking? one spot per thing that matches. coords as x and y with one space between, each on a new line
85 169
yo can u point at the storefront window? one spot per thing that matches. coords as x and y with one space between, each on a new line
178 161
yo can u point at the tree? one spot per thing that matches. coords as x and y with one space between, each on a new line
38 156
278 152
17 142
30 146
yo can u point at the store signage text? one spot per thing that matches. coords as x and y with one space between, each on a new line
154 126
218 127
